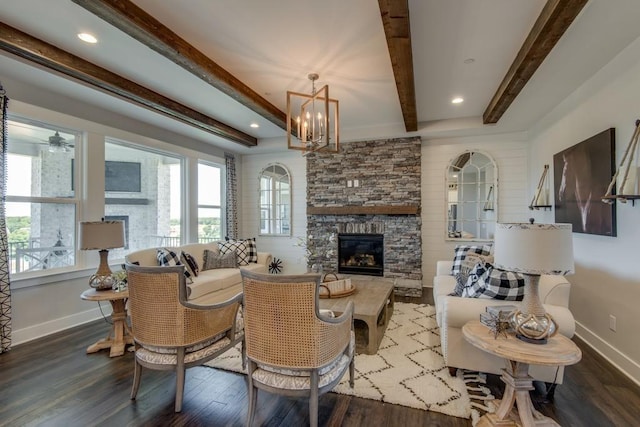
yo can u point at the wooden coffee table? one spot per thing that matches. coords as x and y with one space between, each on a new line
373 307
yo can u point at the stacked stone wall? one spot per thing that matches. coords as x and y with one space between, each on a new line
369 173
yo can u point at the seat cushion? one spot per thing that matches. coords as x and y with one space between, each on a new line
294 379
148 355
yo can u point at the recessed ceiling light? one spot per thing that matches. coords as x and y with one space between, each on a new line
457 100
88 38
254 125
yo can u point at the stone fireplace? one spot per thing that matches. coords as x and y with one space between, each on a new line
369 188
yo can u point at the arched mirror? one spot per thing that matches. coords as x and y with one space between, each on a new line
275 201
472 196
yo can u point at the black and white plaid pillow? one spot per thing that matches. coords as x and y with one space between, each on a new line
468 264
252 248
168 258
485 281
461 252
190 263
239 247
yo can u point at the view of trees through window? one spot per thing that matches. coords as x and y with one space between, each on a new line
209 202
143 189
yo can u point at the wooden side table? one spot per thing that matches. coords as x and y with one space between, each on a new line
559 351
120 334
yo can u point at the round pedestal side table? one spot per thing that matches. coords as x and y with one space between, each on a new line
120 334
558 351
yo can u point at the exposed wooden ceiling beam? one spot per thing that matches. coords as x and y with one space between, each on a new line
25 46
555 18
395 20
132 20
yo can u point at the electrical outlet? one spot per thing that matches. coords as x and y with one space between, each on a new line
612 322
356 183
349 183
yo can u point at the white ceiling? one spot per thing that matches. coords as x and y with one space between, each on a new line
271 46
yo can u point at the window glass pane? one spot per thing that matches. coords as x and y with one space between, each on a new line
39 161
209 203
208 185
143 189
209 225
41 236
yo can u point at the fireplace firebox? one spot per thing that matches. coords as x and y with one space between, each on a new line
361 254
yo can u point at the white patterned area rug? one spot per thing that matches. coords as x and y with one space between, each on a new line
408 369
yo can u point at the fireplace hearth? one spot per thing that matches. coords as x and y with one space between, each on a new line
361 254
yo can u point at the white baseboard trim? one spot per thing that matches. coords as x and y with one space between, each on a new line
21 336
619 360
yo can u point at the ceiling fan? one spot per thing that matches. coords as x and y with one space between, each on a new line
58 144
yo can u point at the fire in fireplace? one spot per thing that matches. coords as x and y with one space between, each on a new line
361 254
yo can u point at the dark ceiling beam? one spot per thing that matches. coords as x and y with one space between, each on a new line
47 55
395 20
554 20
135 22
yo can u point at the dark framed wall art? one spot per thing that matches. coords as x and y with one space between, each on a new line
581 176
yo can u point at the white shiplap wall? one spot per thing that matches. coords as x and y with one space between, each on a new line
283 248
510 152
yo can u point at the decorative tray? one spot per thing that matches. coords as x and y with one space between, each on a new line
335 288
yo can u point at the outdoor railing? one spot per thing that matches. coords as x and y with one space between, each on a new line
23 256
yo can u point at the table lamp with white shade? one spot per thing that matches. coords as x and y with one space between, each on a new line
102 235
533 250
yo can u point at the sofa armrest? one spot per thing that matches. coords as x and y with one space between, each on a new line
264 258
443 268
554 290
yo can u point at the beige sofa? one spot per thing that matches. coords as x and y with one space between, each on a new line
452 312
210 286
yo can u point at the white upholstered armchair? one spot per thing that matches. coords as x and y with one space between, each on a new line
452 312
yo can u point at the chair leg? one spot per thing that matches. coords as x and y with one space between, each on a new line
180 375
253 394
137 372
313 399
244 354
352 368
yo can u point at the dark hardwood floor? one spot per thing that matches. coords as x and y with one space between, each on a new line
53 382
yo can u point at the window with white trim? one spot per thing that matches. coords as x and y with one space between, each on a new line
42 202
210 190
143 189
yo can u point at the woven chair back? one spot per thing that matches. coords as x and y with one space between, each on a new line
281 323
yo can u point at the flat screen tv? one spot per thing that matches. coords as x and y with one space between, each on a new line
119 176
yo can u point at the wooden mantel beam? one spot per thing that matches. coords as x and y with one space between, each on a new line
35 50
132 20
554 20
395 20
